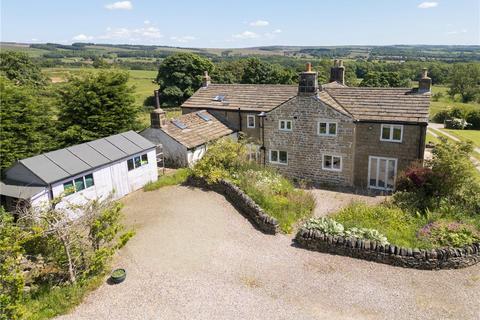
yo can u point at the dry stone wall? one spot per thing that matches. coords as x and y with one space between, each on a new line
444 258
242 202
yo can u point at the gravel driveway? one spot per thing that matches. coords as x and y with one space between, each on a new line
195 257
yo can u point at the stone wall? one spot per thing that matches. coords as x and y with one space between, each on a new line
242 202
305 147
369 144
445 258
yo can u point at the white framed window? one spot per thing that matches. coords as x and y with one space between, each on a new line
251 121
279 157
78 184
391 132
326 128
332 163
382 173
285 125
137 162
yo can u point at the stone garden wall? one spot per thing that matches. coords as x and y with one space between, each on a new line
444 258
242 202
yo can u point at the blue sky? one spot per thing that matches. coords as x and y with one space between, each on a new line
242 23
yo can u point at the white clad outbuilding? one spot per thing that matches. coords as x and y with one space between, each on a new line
115 165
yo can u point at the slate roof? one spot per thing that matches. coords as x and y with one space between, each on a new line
382 104
248 97
63 163
362 104
197 131
20 191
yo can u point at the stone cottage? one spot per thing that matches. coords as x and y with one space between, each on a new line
326 134
184 139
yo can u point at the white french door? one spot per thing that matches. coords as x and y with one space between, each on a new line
382 173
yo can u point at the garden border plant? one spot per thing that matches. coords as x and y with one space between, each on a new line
258 191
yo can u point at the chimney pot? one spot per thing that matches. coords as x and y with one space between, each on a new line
309 67
337 72
205 80
308 82
425 83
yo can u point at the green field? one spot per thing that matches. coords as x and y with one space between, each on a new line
446 102
141 80
466 135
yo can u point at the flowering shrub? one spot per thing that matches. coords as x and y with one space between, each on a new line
331 227
444 233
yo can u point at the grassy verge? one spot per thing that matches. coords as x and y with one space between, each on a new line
475 134
178 177
399 227
48 302
466 135
432 138
277 196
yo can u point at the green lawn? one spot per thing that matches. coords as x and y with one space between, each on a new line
432 138
445 102
466 135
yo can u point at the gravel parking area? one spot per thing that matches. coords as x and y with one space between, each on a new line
332 201
195 257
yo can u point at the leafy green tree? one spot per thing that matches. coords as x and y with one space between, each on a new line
100 63
257 71
26 123
96 105
383 79
12 281
465 81
18 67
180 75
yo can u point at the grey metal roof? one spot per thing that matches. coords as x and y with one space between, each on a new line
19 191
89 155
61 164
124 144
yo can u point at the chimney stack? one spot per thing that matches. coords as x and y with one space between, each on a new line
157 99
308 82
158 118
425 83
337 72
205 80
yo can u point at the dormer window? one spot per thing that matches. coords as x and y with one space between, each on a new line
327 128
391 132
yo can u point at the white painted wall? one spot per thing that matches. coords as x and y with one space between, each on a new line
112 178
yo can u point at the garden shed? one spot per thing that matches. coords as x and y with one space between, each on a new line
116 165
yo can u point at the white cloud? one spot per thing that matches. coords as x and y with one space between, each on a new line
427 5
277 31
246 35
120 5
82 37
259 23
146 34
146 22
183 39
